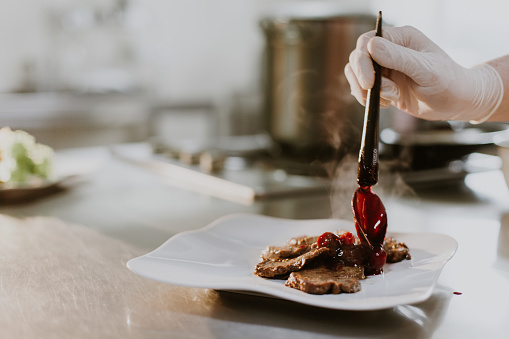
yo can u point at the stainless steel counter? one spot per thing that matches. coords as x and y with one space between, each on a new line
63 258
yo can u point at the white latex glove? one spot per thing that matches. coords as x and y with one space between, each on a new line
421 79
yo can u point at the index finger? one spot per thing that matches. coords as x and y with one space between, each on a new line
361 62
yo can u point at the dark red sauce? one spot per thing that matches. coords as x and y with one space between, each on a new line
344 250
371 224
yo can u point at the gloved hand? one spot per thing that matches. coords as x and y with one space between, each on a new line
419 78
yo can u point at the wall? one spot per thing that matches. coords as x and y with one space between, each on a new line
191 49
470 31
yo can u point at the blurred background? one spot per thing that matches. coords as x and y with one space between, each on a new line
93 72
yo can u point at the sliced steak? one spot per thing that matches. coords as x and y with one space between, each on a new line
294 248
321 280
272 268
284 252
396 251
304 240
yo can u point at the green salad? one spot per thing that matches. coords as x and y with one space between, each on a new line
22 158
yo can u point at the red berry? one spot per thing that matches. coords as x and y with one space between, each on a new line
347 238
329 240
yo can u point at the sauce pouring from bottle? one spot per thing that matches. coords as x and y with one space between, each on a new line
368 210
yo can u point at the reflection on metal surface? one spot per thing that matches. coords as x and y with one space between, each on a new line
244 185
465 136
429 314
171 310
452 172
413 313
63 280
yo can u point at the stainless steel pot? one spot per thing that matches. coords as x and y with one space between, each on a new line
309 109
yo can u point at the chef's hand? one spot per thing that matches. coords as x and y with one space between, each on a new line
421 79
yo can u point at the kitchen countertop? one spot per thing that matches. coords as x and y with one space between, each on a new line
63 258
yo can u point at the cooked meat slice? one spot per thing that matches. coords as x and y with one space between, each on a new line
396 251
272 268
321 280
294 248
284 252
304 240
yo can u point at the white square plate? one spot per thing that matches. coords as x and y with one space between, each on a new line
223 255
